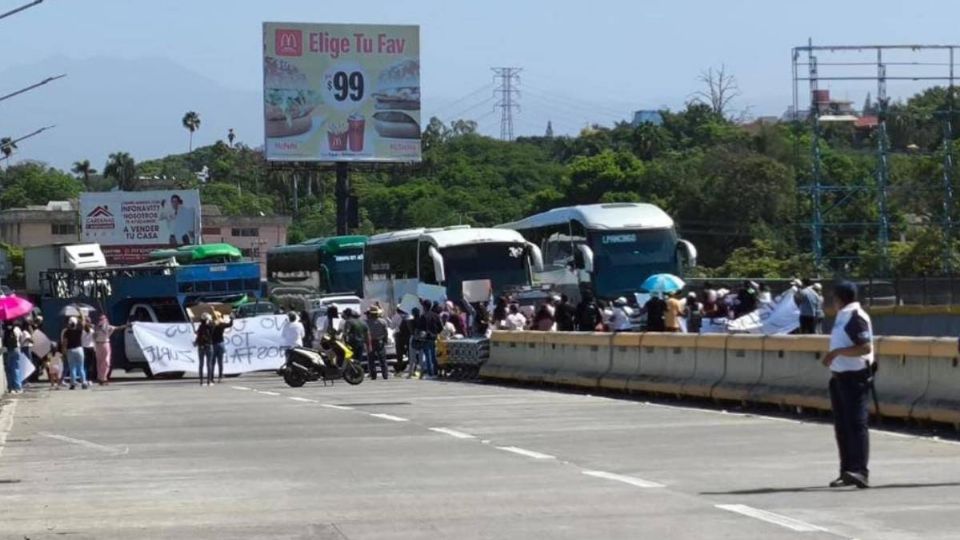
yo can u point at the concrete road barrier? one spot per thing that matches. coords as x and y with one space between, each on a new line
903 373
941 400
792 373
918 378
509 356
577 358
667 361
710 367
624 361
744 367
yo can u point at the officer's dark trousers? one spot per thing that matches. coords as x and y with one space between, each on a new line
849 393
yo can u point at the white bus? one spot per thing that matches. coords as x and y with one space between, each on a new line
607 249
434 263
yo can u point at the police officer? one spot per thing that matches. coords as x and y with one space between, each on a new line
850 360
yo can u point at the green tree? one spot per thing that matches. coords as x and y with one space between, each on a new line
85 170
7 146
123 169
191 121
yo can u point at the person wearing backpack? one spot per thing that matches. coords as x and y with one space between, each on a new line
11 357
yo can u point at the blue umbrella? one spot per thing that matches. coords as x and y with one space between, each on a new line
662 283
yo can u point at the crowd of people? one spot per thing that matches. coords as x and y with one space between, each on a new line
675 311
83 347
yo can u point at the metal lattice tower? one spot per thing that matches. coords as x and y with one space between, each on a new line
940 70
508 87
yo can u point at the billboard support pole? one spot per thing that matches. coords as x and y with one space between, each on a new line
342 196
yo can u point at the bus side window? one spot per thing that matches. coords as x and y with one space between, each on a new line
427 273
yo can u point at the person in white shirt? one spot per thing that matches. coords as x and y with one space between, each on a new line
620 318
850 360
293 331
515 320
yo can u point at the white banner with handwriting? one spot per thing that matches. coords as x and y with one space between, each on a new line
252 344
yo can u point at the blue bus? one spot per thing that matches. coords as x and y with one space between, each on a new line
144 294
607 249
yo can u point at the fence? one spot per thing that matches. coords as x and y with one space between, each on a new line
922 291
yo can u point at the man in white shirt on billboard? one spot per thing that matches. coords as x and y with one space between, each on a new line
851 364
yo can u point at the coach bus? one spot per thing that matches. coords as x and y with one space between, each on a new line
435 263
607 249
320 265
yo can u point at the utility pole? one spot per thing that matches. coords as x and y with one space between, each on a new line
508 86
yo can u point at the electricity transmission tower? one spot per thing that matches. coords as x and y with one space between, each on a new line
508 81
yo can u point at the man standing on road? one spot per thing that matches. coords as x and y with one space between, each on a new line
851 362
379 330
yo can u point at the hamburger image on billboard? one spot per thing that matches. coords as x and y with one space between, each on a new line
341 92
289 101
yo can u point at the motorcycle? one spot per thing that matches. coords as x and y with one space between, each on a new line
334 360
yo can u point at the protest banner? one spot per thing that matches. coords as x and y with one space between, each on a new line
252 344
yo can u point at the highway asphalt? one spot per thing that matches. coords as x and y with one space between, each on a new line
402 459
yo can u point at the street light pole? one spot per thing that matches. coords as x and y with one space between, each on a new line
21 8
32 86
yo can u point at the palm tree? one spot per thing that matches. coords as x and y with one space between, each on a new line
122 168
191 121
7 146
84 169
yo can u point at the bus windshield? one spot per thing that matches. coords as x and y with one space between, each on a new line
623 259
345 270
504 264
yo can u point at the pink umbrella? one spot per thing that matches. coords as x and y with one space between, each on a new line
13 307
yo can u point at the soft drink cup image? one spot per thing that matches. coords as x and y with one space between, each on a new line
356 124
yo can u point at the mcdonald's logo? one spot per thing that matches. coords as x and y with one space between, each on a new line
289 42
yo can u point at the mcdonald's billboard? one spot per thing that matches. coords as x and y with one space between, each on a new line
339 92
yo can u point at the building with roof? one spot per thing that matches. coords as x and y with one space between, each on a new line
57 222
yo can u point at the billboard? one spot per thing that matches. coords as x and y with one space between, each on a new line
341 92
131 224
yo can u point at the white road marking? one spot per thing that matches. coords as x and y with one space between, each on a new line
527 453
390 417
303 399
6 421
239 387
85 444
337 407
637 482
267 393
453 433
770 517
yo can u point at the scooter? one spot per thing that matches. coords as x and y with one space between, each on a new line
334 360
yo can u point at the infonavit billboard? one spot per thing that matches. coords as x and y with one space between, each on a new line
341 92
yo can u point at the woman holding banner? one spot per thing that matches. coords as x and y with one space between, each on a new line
203 341
101 344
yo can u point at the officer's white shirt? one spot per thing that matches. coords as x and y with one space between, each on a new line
851 327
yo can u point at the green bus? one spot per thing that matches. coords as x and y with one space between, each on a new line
200 254
320 265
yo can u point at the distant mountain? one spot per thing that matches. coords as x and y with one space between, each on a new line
110 104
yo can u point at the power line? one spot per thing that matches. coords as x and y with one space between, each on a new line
471 108
460 100
509 90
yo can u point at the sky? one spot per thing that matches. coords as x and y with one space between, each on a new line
583 62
